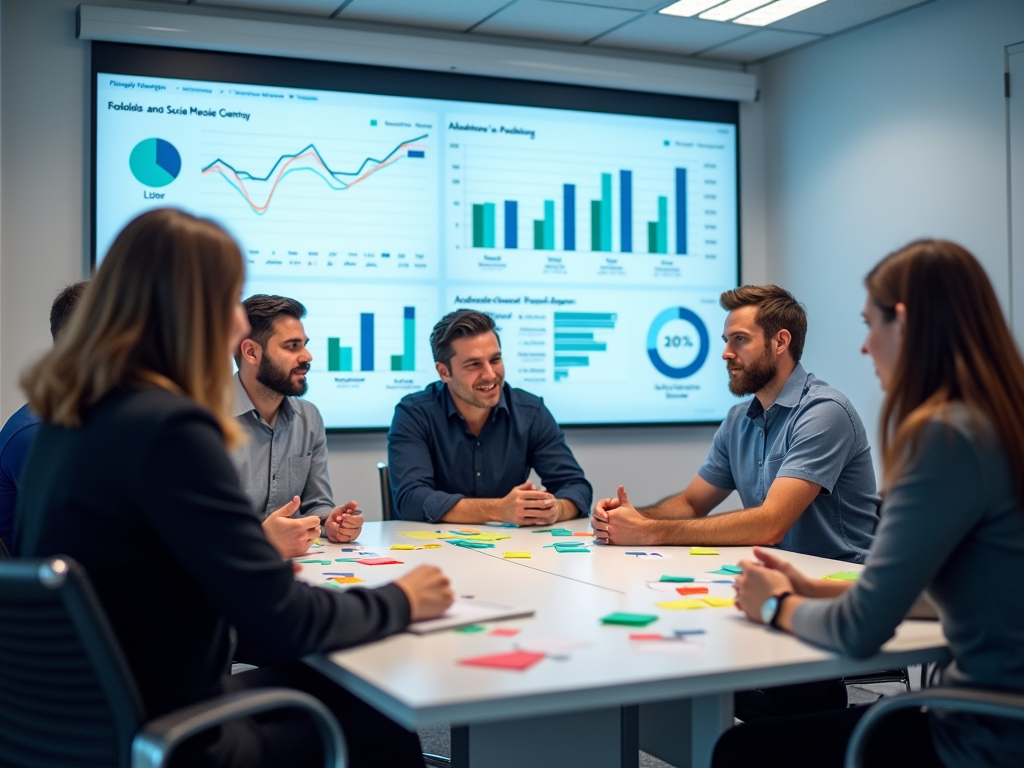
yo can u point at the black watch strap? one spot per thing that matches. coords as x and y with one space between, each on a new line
778 608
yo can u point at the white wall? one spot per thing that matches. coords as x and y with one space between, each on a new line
888 133
44 153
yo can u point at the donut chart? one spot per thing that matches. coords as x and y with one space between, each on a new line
659 322
155 162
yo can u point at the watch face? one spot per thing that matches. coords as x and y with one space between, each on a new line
768 609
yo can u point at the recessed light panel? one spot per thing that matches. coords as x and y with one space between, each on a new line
732 9
689 7
780 9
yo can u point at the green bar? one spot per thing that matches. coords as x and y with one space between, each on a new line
549 225
396 363
652 237
488 225
345 359
606 211
478 226
409 348
333 354
538 234
662 225
595 225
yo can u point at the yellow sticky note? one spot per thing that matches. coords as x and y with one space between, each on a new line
431 546
682 605
518 555
402 546
425 535
348 580
489 537
718 602
703 551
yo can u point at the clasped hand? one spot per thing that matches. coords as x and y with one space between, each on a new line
344 524
768 575
528 505
616 521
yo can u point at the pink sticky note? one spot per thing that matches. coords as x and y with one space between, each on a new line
642 636
519 660
379 561
504 632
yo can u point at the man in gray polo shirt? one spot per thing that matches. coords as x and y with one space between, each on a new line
283 463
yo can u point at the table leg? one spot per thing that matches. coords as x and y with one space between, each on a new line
600 738
683 732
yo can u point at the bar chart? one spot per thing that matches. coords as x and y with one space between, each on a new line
340 358
574 339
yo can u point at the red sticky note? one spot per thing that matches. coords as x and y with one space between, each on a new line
642 636
504 632
692 590
513 660
379 561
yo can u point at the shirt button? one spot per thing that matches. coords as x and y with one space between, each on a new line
759 464
478 474
478 445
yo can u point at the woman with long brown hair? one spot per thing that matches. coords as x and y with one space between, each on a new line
952 524
130 476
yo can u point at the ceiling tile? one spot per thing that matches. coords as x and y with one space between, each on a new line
764 42
441 14
315 7
672 34
548 20
628 5
836 15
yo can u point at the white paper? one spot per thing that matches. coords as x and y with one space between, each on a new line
466 611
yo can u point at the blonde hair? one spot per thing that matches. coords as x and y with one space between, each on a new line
158 313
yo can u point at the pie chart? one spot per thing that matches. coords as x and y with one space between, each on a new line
155 162
658 347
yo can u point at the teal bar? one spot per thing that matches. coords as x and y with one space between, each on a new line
662 225
549 225
581 346
409 348
488 226
585 316
345 359
569 336
606 211
572 362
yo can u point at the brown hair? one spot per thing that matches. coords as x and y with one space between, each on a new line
262 310
157 313
776 309
457 325
63 305
956 346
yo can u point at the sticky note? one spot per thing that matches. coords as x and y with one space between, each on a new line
629 619
471 628
379 561
518 660
687 604
338 574
561 532
481 537
703 551
685 632
348 580
636 553
717 602
728 570
431 546
465 533
676 578
843 576
568 550
425 535
504 632
346 560
472 544
402 546
584 533
692 590
315 562
644 636
518 555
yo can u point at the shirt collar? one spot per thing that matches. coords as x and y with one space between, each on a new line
243 403
451 410
789 397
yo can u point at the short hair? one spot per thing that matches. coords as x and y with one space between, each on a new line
60 310
457 325
776 309
263 310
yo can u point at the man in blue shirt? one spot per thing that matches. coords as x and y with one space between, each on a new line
19 431
462 449
797 452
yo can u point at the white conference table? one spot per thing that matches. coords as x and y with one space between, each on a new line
594 705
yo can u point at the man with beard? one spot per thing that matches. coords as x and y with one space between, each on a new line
797 452
283 463
462 449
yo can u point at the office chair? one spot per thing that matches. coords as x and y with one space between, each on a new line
972 700
67 694
4 552
387 504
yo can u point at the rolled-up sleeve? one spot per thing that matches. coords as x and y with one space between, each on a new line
411 470
717 468
554 462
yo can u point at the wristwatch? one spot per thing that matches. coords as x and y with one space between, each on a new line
772 606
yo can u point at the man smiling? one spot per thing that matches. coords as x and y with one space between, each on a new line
462 449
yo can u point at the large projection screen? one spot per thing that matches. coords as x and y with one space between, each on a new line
597 227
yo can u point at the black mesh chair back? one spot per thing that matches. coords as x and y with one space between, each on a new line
387 505
67 695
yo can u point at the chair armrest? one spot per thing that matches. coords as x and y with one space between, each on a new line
973 700
153 745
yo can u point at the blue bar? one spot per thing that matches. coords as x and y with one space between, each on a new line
416 153
569 211
680 210
511 224
366 341
410 313
626 210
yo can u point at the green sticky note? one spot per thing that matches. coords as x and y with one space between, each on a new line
680 579
546 530
347 560
731 569
471 628
560 532
843 576
473 544
315 562
629 619
722 572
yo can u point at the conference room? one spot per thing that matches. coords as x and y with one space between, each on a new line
509 238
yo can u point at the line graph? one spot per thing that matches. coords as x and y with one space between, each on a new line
310 159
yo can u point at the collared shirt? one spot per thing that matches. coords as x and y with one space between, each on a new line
15 440
811 432
435 460
289 460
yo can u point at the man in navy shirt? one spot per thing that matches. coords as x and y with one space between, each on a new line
19 431
462 449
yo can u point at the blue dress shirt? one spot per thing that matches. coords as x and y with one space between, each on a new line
810 432
15 440
434 459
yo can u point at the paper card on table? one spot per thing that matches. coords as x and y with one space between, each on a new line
843 576
484 536
677 578
519 660
402 546
584 533
687 604
431 546
662 586
518 555
467 610
471 628
692 590
380 561
467 532
346 560
561 532
703 551
723 572
567 550
641 636
644 555
553 646
731 569
629 619
348 580
467 543
718 602
425 535
315 562
504 632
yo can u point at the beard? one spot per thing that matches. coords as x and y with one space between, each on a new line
469 395
755 376
279 380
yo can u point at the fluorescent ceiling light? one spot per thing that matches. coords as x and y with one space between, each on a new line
732 9
780 9
688 7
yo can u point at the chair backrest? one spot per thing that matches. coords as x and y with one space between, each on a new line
387 504
4 552
67 695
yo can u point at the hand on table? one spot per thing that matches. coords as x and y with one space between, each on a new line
428 592
291 536
344 524
801 585
616 521
756 584
528 505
